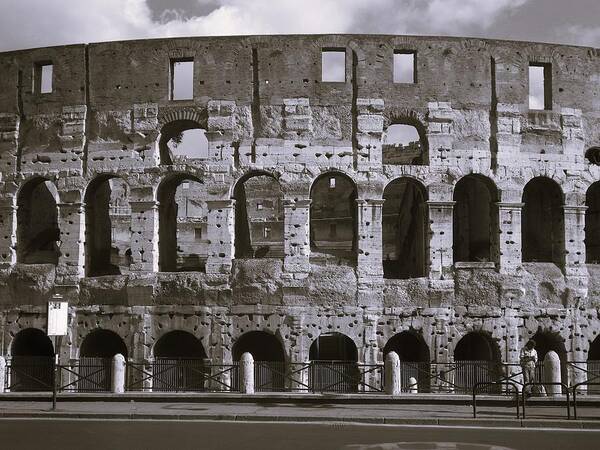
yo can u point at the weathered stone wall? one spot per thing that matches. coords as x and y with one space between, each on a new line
265 110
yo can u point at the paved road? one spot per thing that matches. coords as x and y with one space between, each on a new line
66 434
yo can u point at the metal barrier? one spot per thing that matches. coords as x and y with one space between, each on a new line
88 374
489 383
556 383
344 377
29 374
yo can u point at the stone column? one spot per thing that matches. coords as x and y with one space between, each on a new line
296 224
118 374
509 222
441 257
552 373
393 380
247 374
8 232
2 373
144 235
221 235
574 219
71 222
370 245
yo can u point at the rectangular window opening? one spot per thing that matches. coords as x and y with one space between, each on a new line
332 230
259 206
540 86
266 232
405 66
197 234
42 77
182 79
333 65
332 183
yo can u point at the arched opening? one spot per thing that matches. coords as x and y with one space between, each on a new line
96 360
477 359
181 140
475 220
405 143
107 227
334 365
179 363
333 216
542 222
593 365
258 217
182 225
404 229
545 341
414 358
592 224
32 361
37 223
269 359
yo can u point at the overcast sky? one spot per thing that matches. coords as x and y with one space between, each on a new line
39 23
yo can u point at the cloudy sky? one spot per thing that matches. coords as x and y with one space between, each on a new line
37 23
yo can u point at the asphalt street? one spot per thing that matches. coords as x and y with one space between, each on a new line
65 434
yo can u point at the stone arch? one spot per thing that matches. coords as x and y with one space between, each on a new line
333 215
179 362
102 343
173 124
269 358
107 226
475 219
592 224
477 358
259 216
334 365
549 340
404 229
32 361
37 222
398 147
333 347
543 221
177 253
414 357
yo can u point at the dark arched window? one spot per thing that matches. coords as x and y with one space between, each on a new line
404 229
592 224
107 227
477 359
182 139
405 142
258 217
475 220
269 359
414 358
543 222
32 361
333 216
182 224
37 223
334 364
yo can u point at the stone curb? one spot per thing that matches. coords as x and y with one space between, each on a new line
450 421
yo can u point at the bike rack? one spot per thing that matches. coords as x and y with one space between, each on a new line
556 383
493 383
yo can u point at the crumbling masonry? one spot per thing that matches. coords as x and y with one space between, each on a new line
492 232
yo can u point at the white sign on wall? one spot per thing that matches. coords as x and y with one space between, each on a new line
58 313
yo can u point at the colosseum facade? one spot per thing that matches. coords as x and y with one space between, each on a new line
307 217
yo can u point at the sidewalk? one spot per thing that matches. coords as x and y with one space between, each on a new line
324 411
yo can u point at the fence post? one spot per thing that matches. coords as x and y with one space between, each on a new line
2 373
118 374
393 382
413 387
247 374
552 373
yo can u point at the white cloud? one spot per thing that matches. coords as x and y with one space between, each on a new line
34 23
582 35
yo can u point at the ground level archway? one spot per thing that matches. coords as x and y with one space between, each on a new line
96 360
334 366
32 361
476 359
269 359
414 358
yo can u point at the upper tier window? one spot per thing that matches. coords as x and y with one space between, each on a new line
405 66
182 79
333 65
540 86
42 78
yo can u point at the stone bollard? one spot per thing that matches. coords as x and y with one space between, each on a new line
552 373
392 374
118 374
247 374
413 387
2 373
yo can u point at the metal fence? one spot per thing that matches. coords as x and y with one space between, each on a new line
345 377
29 374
